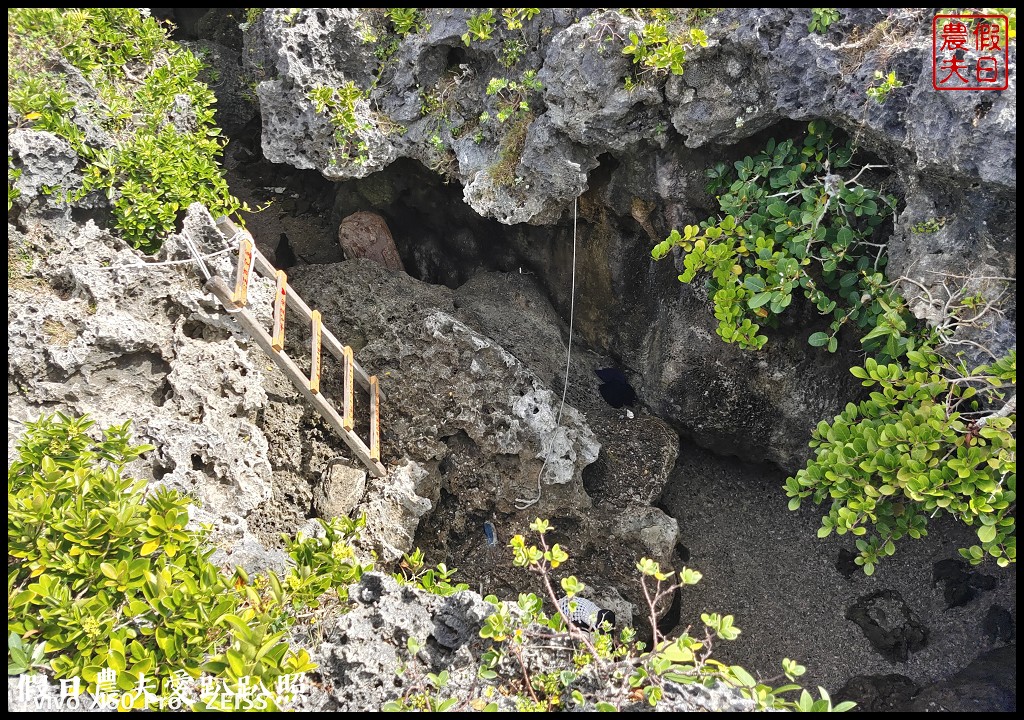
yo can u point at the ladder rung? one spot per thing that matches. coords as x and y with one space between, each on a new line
317 349
347 413
280 305
242 273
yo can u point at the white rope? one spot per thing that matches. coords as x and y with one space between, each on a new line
166 263
195 256
523 503
572 311
203 270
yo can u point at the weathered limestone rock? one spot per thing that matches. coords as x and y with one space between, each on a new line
45 161
339 492
584 91
360 652
92 330
291 53
486 432
393 508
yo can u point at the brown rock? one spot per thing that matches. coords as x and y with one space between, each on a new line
366 235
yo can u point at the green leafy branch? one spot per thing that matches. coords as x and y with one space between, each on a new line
512 96
684 659
406 21
438 580
883 86
515 18
660 48
931 438
479 27
324 563
790 223
424 691
821 19
160 162
351 122
103 575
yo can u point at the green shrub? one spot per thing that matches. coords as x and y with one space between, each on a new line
516 17
512 97
930 439
929 226
790 223
660 47
406 20
821 18
251 16
104 576
154 169
521 630
479 27
324 563
13 174
413 570
341 104
883 85
935 436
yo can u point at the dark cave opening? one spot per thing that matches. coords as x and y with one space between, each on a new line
456 57
189 24
440 238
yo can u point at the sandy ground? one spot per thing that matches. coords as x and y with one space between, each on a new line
766 566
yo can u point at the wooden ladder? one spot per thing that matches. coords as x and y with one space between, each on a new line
235 301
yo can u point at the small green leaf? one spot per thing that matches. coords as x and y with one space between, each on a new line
754 283
759 299
987 533
743 676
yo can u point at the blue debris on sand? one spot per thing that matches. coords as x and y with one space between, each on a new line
490 534
615 388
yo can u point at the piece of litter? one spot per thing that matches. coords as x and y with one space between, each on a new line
629 414
490 534
584 614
